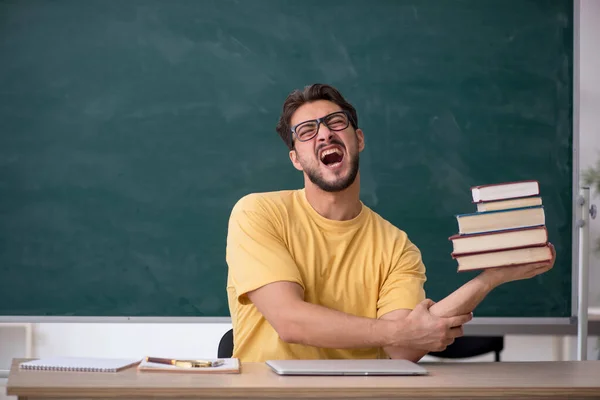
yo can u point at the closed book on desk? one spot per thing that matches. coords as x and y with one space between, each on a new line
229 366
79 364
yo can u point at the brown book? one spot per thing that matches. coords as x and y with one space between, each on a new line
500 220
510 203
507 190
503 258
507 239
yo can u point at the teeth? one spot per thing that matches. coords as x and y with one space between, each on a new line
330 151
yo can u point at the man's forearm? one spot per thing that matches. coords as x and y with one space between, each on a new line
462 301
465 299
319 326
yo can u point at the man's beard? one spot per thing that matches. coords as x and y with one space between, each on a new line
315 176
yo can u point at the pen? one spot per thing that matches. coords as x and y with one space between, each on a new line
185 363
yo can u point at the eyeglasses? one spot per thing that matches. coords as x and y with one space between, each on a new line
337 121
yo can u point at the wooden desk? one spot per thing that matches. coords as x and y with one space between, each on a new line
566 379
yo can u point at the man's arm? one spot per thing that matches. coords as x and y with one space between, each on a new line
263 272
466 298
297 321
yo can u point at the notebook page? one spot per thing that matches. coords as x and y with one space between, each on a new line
87 364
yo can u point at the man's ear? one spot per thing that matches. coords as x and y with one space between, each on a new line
294 159
361 139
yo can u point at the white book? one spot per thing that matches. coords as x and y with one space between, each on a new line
80 364
504 191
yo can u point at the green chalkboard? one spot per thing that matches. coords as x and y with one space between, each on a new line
128 130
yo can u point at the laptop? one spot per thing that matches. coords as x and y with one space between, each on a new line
346 367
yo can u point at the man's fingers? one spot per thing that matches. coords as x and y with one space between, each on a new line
456 332
541 268
544 268
552 249
427 303
459 320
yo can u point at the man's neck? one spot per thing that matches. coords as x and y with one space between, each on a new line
338 206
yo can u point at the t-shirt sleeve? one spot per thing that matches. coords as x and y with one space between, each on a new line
404 285
256 253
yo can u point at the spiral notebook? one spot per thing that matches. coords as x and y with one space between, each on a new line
80 364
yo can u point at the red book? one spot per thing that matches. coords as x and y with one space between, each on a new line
504 258
500 240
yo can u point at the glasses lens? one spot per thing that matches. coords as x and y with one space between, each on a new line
337 121
306 130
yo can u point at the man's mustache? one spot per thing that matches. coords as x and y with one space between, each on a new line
333 141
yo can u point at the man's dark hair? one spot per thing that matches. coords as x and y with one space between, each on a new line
310 93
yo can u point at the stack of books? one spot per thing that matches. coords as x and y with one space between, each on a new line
508 228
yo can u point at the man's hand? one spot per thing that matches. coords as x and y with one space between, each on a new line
427 332
499 276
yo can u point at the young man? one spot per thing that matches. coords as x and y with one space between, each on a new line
314 273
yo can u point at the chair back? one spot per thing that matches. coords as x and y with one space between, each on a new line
226 345
463 347
471 346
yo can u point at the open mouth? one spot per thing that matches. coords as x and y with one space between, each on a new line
332 157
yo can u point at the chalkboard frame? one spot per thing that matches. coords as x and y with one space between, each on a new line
546 325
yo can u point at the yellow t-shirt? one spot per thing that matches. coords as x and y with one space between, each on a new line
365 266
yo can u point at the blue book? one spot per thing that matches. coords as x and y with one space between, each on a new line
500 220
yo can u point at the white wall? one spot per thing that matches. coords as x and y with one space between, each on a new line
590 121
136 340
